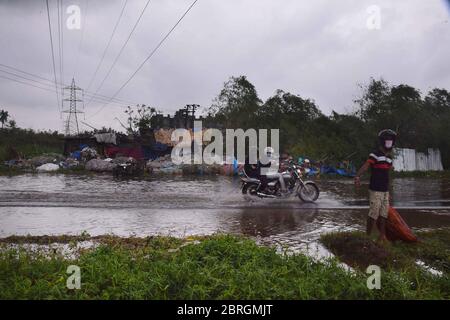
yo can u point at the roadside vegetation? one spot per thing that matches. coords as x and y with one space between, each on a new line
421 119
25 143
213 267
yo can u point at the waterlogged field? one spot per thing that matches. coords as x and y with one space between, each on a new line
185 238
55 204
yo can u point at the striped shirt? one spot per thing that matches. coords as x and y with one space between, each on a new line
380 164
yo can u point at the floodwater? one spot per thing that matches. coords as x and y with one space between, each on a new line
180 206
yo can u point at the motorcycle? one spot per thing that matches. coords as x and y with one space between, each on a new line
307 191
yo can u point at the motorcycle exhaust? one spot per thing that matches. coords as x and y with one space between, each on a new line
263 195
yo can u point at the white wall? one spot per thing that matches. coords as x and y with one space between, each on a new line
410 160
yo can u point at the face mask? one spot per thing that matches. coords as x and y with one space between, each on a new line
388 144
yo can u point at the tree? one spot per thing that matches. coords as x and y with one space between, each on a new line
421 122
288 112
12 124
437 111
437 102
287 106
139 118
374 102
4 116
236 105
396 107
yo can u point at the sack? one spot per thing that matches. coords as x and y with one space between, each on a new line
396 227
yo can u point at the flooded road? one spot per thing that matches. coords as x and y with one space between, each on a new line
182 206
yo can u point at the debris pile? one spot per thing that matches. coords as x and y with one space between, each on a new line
100 165
163 164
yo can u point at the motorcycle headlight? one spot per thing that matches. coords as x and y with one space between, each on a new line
299 171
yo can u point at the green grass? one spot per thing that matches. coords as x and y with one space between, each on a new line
29 143
218 267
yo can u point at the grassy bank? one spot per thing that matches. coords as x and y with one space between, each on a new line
28 143
216 267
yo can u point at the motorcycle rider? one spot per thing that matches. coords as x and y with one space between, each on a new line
253 170
261 171
282 166
306 166
380 162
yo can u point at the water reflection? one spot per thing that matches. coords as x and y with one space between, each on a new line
180 206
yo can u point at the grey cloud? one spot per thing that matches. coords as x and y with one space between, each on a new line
320 50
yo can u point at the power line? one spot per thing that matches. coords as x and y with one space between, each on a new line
60 45
81 38
107 46
60 85
47 89
121 49
148 57
53 55
25 83
24 72
62 40
99 96
97 99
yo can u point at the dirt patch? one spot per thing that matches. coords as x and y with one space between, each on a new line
45 239
357 250
110 240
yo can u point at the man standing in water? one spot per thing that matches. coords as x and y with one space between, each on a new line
380 162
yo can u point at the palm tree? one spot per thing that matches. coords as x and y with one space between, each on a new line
4 115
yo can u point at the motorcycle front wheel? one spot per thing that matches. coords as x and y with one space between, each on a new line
309 192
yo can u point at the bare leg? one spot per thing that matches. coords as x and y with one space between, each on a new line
370 224
382 229
282 184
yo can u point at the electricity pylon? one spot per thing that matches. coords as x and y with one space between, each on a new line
71 125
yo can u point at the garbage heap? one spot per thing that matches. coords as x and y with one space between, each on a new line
164 165
89 160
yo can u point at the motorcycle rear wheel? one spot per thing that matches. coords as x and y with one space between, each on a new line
250 189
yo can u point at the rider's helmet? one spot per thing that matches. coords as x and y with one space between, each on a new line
386 138
306 163
269 151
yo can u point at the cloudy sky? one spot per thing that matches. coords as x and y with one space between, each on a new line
317 49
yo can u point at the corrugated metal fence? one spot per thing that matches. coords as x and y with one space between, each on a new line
410 160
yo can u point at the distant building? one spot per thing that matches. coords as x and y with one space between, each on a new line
183 118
